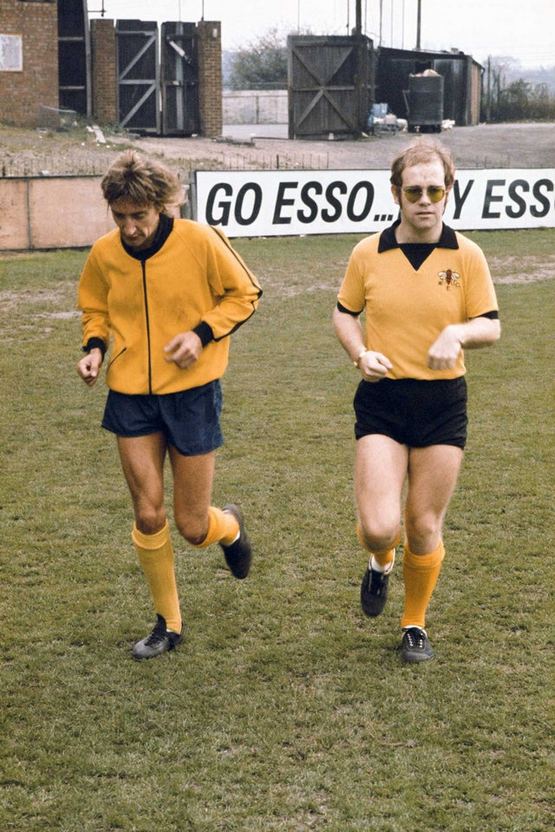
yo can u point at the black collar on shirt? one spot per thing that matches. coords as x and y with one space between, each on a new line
448 239
165 227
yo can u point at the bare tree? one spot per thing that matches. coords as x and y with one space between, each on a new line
261 64
507 96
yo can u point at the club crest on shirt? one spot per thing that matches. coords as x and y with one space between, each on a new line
448 278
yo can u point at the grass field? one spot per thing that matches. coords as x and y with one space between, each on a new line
285 709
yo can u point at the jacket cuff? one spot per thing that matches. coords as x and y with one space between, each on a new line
204 332
95 343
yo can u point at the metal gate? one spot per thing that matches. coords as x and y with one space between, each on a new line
330 85
138 75
180 107
158 87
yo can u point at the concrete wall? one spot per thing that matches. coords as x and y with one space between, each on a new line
255 107
24 91
53 212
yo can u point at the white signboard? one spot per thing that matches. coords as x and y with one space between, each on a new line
277 203
11 53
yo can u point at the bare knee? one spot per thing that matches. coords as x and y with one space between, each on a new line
423 532
379 533
149 519
193 528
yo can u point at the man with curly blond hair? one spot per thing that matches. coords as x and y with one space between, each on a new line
163 295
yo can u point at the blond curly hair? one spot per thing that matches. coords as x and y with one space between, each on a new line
143 181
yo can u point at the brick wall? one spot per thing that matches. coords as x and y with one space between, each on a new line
104 71
22 93
210 77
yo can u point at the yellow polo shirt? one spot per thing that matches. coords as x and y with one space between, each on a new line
407 308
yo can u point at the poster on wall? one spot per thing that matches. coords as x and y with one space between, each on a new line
11 53
280 203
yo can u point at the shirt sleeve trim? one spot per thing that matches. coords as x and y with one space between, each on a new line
344 309
493 315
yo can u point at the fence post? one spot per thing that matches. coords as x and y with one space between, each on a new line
189 208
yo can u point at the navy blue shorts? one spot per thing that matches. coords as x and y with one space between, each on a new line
413 412
190 419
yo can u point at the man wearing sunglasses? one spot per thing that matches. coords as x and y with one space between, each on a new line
427 295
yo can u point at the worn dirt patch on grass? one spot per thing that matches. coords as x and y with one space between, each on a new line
57 295
505 270
511 269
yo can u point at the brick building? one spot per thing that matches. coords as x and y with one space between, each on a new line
32 80
28 60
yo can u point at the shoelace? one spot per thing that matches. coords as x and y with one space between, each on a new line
377 582
155 637
415 638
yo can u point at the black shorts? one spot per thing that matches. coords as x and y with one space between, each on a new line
413 412
190 420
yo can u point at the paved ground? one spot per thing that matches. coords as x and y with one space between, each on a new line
248 132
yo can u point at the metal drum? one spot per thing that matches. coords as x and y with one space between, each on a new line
425 103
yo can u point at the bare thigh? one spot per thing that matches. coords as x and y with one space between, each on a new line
193 477
380 471
433 474
142 461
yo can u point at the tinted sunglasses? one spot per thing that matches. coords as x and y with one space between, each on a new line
414 192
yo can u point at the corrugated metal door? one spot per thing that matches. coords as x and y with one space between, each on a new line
180 107
138 75
330 85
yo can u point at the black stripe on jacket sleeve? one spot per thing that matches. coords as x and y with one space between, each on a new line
221 236
223 239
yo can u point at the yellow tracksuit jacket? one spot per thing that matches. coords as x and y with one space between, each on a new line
194 281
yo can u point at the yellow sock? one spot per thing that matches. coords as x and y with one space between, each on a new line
421 573
383 558
222 528
156 558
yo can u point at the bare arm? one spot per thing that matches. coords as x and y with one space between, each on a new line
372 365
479 332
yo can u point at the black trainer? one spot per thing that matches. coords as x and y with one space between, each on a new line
159 641
238 555
415 646
373 591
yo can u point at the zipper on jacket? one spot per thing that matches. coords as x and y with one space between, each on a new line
143 267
